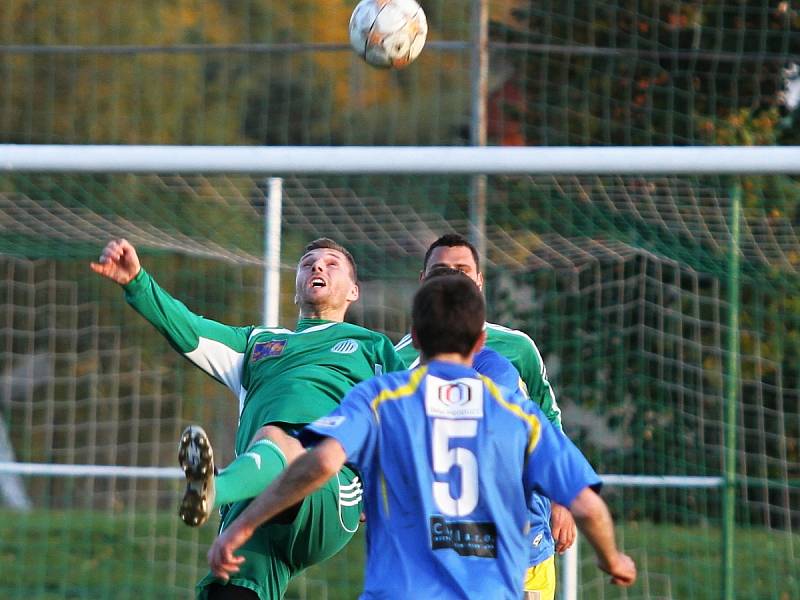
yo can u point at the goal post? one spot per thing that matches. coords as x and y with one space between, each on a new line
567 160
668 324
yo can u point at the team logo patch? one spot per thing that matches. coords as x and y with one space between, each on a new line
454 394
329 422
456 399
267 349
345 347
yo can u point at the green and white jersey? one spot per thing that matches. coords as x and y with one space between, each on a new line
278 375
521 351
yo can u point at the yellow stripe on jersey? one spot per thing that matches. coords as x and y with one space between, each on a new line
533 422
385 495
404 390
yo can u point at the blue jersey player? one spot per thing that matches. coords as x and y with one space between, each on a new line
449 459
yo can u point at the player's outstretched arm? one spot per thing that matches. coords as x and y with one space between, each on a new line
118 262
306 474
594 521
223 354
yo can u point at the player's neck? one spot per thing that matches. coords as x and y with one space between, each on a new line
323 313
449 357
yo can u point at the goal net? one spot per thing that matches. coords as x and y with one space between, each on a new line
625 282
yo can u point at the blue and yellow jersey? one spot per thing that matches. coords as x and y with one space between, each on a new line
511 348
449 459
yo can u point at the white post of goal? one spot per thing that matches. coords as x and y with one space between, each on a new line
272 251
569 572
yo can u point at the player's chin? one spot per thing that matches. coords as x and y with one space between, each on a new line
314 294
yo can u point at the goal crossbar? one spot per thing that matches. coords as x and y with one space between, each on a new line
596 160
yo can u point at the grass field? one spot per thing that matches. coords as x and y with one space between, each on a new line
57 555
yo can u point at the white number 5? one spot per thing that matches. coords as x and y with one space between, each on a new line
445 457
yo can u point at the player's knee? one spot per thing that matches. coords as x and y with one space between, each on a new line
289 445
273 433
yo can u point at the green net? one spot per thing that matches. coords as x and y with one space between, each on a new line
623 281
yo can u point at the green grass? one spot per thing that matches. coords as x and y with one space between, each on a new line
81 554
685 563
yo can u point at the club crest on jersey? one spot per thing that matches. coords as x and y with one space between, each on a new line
267 349
345 347
459 398
454 394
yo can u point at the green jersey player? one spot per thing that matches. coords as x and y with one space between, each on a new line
455 252
283 380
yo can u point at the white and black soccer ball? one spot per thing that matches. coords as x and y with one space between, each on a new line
388 33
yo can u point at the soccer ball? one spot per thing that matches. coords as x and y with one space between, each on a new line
388 33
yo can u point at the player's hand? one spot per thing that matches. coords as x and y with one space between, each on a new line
118 262
562 524
220 556
622 570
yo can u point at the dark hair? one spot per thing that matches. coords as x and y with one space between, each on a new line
452 240
330 244
439 271
448 314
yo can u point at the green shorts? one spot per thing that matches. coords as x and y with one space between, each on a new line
277 552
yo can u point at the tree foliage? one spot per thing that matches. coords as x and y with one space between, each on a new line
648 72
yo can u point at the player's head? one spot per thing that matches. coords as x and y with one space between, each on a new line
454 251
440 271
326 282
448 315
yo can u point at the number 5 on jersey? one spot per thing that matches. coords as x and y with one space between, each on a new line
445 458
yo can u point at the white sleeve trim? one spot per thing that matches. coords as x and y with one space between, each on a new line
404 341
258 330
242 398
219 361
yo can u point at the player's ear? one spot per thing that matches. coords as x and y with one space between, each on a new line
422 275
354 293
479 342
479 280
414 338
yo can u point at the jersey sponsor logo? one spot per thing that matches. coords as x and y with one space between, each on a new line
345 347
456 399
455 394
329 422
464 537
267 349
538 539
